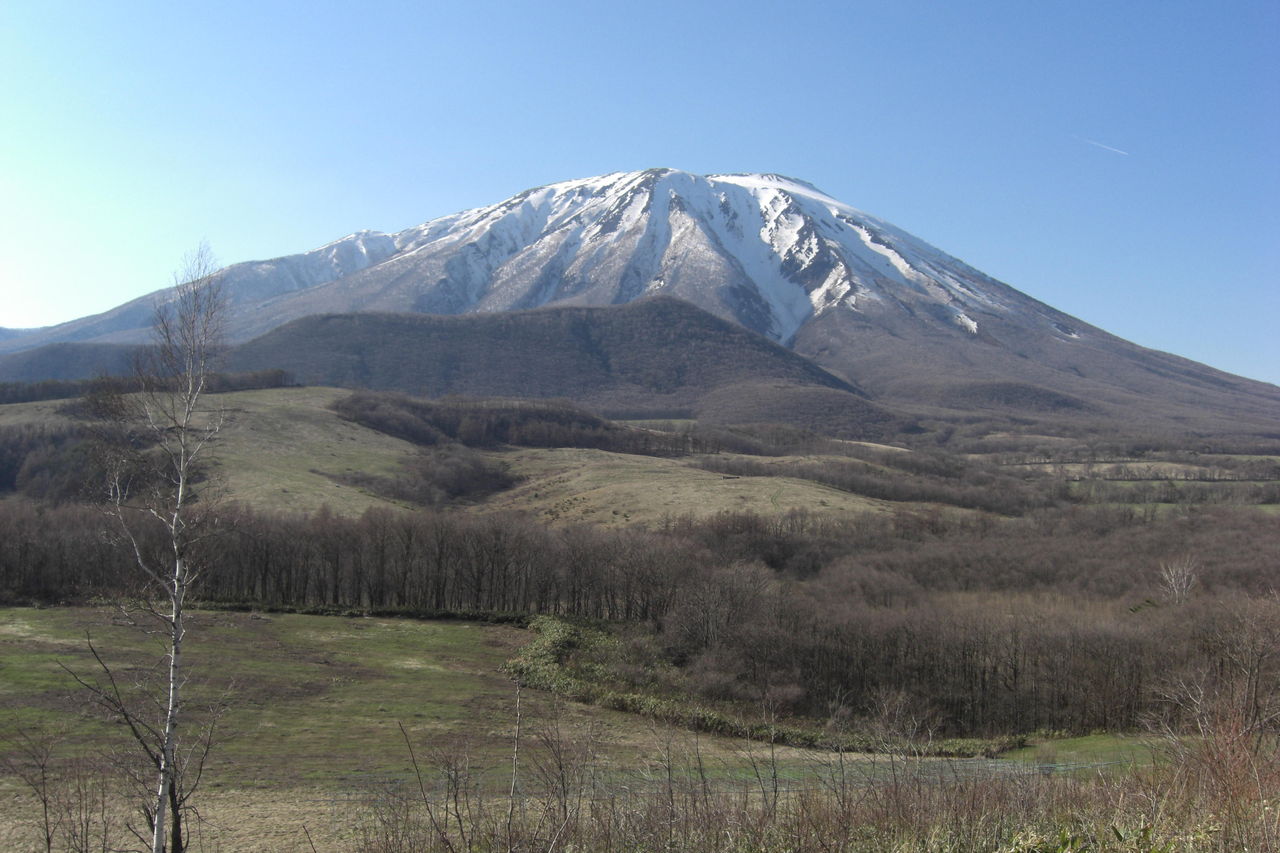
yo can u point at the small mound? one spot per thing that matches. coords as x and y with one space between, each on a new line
1012 395
826 411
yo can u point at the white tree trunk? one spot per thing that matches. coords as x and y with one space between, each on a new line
172 707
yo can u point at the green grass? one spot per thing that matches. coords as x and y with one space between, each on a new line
278 444
306 694
318 701
1095 749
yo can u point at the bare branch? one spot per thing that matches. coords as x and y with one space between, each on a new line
161 433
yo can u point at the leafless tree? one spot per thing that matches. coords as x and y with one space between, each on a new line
1178 577
33 766
162 435
71 792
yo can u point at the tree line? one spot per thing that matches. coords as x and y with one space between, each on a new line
1056 621
63 389
490 422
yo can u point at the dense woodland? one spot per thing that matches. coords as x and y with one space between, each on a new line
998 599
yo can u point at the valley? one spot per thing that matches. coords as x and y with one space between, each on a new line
761 605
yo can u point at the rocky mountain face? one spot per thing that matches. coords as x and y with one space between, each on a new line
875 306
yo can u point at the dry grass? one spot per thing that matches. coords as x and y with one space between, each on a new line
315 754
22 414
568 486
278 444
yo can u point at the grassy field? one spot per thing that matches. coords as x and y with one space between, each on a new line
278 445
567 485
314 706
311 699
22 414
1093 750
311 753
281 449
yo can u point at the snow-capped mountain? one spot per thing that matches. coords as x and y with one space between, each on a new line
770 252
767 251
876 306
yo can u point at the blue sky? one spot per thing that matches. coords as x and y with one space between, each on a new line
1118 160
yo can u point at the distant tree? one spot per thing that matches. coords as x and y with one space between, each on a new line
1178 577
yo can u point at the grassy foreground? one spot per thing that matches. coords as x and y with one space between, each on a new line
311 755
314 709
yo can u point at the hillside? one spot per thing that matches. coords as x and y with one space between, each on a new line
811 596
287 450
657 357
67 361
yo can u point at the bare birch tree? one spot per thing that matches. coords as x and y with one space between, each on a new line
1178 577
164 433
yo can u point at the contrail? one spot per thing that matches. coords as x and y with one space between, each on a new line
1103 147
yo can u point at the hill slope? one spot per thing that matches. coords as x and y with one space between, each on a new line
658 357
65 361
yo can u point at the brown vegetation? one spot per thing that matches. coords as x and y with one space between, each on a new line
1046 588
1057 621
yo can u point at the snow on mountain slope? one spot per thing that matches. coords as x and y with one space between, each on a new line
250 286
291 273
767 251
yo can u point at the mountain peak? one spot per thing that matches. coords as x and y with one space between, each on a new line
770 252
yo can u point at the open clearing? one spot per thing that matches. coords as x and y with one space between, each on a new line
278 445
314 709
566 485
312 728
281 448
314 700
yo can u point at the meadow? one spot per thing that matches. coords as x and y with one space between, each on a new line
339 733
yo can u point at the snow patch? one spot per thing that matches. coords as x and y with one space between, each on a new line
835 288
791 250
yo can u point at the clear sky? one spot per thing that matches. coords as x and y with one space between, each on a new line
1119 160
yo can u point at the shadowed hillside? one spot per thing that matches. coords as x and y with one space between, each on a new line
657 356
64 361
